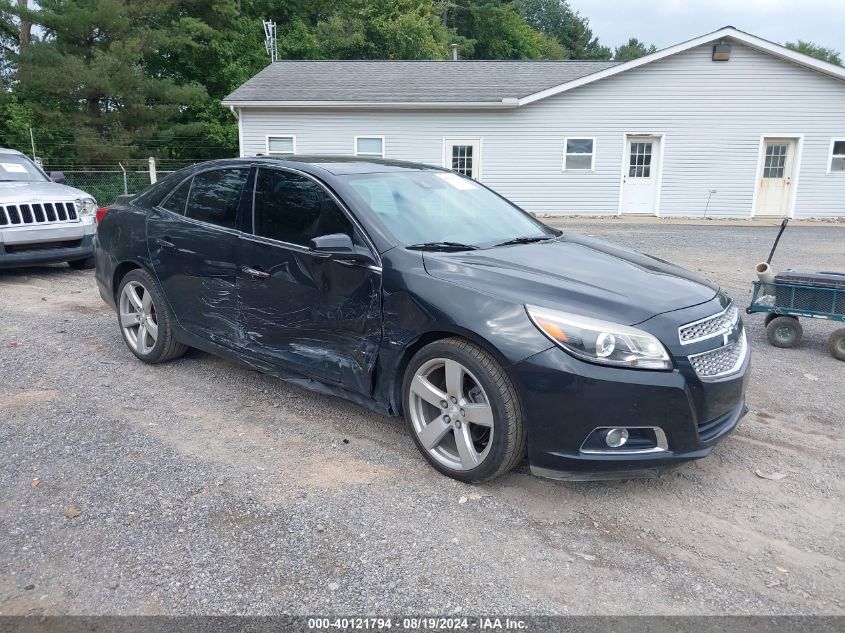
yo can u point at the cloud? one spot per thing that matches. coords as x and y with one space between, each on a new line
667 22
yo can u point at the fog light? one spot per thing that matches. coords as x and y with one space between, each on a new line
616 437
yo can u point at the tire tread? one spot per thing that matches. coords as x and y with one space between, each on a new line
833 343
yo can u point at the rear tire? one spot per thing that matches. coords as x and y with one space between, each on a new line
771 316
82 264
836 344
145 320
784 331
463 411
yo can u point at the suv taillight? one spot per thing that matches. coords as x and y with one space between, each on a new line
101 213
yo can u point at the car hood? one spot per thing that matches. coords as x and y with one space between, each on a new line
22 192
576 274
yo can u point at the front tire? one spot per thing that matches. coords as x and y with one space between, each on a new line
82 264
145 320
463 412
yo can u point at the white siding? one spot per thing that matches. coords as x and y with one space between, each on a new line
711 113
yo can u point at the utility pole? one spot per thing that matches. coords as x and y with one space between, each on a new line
32 142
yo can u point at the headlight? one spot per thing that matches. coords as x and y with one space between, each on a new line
601 341
86 206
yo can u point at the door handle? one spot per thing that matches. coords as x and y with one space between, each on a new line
255 273
164 243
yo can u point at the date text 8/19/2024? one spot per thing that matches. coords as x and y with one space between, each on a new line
416 623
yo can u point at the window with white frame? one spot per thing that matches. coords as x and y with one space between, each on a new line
837 156
369 146
579 154
281 145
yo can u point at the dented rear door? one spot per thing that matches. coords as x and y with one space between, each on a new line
193 245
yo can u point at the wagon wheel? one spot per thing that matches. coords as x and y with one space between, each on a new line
784 331
836 344
771 316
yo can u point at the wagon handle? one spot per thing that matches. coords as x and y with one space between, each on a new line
777 239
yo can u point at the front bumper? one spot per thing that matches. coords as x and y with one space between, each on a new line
565 399
46 244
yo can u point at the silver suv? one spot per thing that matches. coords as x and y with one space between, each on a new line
41 220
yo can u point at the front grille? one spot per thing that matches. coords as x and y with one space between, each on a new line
37 213
711 326
42 246
722 361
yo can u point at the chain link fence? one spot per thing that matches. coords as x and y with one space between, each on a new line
107 182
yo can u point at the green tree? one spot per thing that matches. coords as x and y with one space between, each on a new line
633 49
85 75
556 19
494 30
814 50
383 29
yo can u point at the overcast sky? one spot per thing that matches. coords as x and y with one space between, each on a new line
667 22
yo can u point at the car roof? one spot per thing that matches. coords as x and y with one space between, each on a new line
6 150
335 165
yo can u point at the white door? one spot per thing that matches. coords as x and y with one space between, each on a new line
775 177
463 155
640 174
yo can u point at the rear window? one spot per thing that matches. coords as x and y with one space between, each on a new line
177 200
215 196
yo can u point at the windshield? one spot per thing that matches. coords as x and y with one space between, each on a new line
436 207
17 168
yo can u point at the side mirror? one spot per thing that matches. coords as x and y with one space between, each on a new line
57 176
339 246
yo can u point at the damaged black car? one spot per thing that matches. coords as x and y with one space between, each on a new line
420 293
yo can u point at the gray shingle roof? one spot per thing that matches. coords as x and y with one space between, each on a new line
409 81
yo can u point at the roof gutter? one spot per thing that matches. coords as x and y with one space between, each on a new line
505 104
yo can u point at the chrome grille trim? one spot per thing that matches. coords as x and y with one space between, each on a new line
37 213
709 327
722 361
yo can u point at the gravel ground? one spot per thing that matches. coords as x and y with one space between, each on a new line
203 487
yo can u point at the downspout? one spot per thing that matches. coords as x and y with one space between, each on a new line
236 112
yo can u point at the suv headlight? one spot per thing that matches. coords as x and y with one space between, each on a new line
86 206
599 341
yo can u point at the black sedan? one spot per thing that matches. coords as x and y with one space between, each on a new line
418 292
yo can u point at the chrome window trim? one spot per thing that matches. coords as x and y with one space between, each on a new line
724 330
742 340
659 434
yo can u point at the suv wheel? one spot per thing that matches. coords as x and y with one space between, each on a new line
145 319
463 411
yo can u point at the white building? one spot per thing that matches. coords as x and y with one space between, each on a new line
727 123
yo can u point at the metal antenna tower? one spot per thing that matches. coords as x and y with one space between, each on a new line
270 40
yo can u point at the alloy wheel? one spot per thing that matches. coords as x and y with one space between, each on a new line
138 317
451 414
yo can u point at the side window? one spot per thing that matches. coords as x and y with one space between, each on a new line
215 196
295 209
176 201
